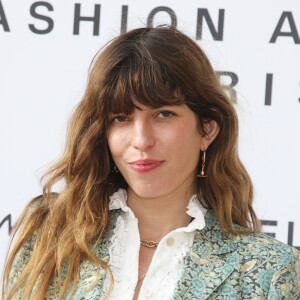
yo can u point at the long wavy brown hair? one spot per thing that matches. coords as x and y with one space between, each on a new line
156 67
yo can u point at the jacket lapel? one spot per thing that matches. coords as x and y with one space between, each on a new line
207 265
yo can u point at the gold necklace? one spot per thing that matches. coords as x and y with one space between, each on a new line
149 244
139 279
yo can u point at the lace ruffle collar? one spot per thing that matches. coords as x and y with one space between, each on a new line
194 209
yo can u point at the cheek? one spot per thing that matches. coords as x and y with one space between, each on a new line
114 144
184 140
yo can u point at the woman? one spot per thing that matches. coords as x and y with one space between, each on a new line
156 203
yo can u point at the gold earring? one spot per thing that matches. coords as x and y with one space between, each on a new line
202 175
115 170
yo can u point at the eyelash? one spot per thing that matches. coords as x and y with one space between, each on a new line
170 114
113 120
124 118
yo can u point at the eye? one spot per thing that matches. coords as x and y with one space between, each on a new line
165 114
118 119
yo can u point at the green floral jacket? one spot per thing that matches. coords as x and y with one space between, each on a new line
218 266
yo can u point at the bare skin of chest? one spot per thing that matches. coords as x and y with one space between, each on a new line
145 259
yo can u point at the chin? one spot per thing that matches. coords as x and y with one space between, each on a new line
148 191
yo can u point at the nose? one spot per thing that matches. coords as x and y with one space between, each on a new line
142 136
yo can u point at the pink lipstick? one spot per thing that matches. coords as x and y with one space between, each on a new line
145 165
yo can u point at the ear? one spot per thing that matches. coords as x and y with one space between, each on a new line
212 129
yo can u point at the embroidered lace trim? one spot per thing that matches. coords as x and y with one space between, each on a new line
125 267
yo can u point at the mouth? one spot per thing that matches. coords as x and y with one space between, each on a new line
145 165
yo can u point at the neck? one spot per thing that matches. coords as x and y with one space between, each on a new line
159 216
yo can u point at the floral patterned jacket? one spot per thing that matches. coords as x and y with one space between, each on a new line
218 266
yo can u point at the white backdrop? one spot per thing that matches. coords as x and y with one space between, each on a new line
45 51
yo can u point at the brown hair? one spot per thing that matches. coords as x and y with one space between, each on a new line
156 67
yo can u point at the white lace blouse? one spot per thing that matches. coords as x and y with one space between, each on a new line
167 261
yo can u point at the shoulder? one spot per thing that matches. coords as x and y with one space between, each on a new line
25 240
267 265
259 246
22 225
263 247
261 254
264 265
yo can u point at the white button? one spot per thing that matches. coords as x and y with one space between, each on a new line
147 293
170 241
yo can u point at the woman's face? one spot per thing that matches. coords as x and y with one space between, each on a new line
156 150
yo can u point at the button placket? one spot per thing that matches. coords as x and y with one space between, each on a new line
147 293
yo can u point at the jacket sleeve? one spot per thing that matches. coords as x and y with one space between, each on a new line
285 283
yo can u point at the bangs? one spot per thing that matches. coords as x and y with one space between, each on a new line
140 80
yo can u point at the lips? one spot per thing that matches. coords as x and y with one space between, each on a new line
145 165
